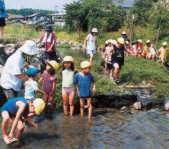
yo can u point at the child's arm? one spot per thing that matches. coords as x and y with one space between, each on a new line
21 108
94 88
31 123
54 87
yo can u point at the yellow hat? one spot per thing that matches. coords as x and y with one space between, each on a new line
164 43
39 106
140 41
68 59
54 64
121 40
85 64
127 42
148 41
114 42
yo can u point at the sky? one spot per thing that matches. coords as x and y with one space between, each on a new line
43 4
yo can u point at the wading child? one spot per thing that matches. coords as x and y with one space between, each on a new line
48 80
68 90
18 111
84 82
31 86
108 58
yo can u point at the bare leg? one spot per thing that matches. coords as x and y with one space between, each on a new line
4 126
81 107
20 129
71 103
90 108
65 104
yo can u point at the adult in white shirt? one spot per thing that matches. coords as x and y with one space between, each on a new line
90 43
12 74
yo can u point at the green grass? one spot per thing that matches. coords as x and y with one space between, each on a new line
135 72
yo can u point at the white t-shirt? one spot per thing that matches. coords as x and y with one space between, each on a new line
31 87
13 66
67 78
91 44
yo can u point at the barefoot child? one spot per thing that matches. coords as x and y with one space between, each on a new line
48 81
18 111
68 91
31 86
84 82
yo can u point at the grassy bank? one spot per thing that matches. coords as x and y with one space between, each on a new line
135 72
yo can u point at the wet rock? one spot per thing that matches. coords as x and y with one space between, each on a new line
166 106
137 105
114 100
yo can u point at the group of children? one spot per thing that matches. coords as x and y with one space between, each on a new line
114 51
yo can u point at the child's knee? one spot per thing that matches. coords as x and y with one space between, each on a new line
5 116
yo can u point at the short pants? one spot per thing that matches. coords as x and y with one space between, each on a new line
109 66
68 90
85 98
2 22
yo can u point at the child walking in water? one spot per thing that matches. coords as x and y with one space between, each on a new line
84 82
68 91
48 81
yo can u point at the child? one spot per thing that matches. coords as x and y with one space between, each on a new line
48 80
31 86
84 82
108 57
68 91
18 111
162 52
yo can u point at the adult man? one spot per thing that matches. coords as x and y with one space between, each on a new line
12 74
90 43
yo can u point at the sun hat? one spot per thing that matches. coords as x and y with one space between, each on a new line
107 42
123 33
68 59
54 65
148 41
32 71
30 48
85 64
121 40
39 105
48 28
114 42
94 30
140 41
127 42
164 43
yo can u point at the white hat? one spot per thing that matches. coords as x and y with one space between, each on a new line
148 41
94 30
68 59
164 43
140 41
30 48
121 40
123 33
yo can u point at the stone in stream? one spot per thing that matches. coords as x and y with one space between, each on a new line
166 106
114 100
137 105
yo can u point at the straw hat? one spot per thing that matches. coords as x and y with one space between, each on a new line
120 40
140 41
54 64
68 59
107 42
30 48
94 30
85 64
164 43
39 106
